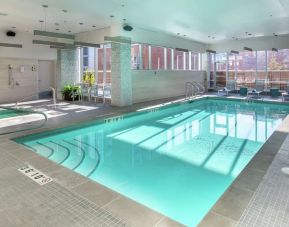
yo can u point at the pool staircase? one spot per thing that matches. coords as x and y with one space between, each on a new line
72 153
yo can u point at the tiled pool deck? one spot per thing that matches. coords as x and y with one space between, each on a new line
258 197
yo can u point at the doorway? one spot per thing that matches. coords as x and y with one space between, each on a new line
46 78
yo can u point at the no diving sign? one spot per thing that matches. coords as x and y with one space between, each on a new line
35 175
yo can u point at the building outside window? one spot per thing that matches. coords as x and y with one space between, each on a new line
157 58
179 60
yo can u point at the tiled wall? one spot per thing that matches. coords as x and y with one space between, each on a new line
27 80
152 85
121 90
67 70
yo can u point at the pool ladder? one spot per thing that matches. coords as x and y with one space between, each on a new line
193 88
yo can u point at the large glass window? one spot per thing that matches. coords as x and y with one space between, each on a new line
278 68
178 60
195 61
232 67
221 69
145 56
169 58
246 68
157 58
261 65
88 65
135 56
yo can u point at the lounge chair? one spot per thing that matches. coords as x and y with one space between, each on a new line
231 87
259 88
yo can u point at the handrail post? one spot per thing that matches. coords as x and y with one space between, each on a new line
53 96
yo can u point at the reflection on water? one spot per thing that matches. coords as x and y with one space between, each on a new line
177 161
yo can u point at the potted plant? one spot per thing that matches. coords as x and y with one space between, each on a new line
70 92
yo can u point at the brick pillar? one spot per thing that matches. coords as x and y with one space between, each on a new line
121 81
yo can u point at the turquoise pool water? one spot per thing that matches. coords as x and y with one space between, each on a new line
177 160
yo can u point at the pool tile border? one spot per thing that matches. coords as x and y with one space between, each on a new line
228 210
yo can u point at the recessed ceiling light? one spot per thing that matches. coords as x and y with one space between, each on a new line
111 16
64 10
41 21
45 6
69 31
57 29
93 26
81 23
249 34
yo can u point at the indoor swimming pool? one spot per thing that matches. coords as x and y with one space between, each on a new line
177 160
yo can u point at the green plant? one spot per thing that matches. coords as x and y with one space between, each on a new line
70 92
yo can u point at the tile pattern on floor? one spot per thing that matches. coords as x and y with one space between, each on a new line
270 203
25 203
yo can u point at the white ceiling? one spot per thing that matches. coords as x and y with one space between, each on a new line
198 20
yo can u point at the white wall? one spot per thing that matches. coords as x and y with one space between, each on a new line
260 43
27 81
146 85
29 50
27 56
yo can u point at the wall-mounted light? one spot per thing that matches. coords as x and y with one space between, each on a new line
211 51
234 52
181 49
275 49
11 45
248 49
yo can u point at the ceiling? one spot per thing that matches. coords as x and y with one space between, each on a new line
207 21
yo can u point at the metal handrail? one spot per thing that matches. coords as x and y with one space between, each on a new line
201 88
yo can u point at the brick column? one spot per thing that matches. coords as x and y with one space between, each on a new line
121 81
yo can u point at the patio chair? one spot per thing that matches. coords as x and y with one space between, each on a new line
230 87
84 92
285 95
94 92
259 88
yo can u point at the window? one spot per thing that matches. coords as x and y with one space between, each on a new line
135 56
178 60
278 68
232 67
88 65
195 61
157 58
169 58
246 68
221 69
145 56
261 65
